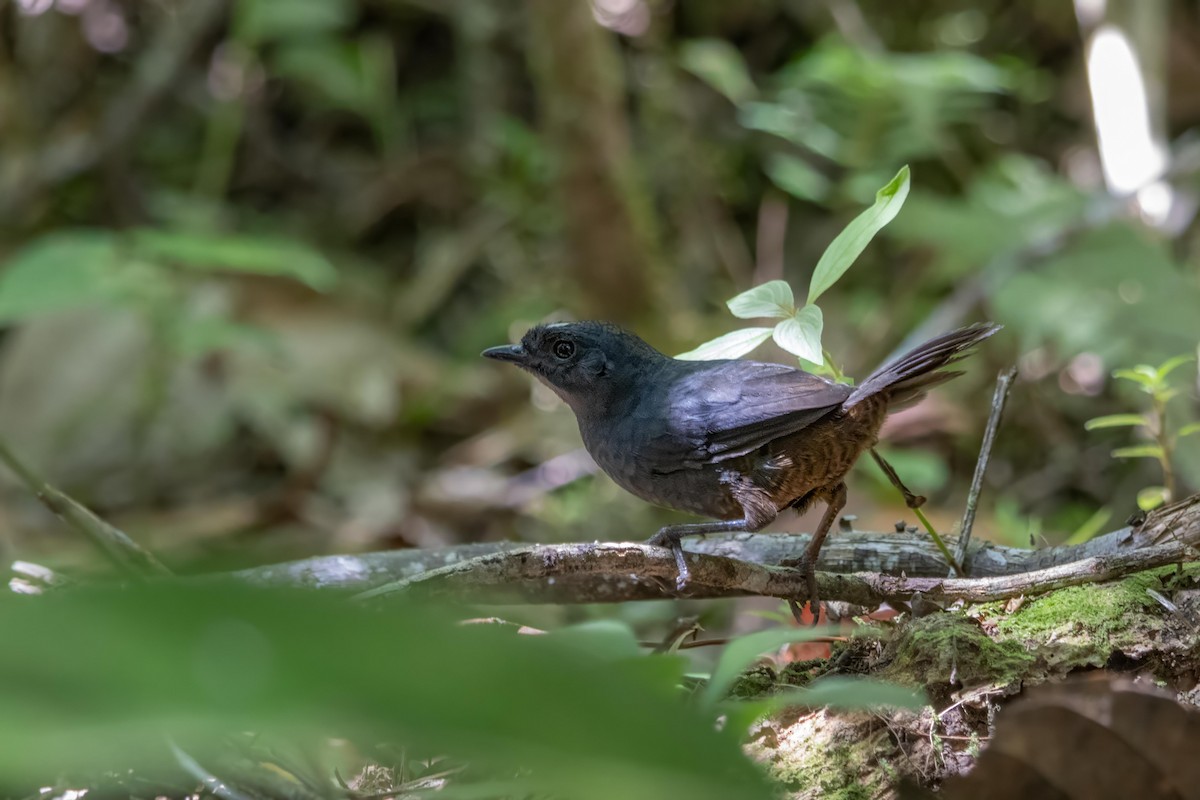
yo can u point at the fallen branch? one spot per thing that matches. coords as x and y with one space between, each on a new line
591 573
912 555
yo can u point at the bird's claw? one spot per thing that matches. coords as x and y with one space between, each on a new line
672 542
807 566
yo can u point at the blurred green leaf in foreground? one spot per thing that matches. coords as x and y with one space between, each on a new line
108 676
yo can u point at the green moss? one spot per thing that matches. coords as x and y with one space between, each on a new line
1180 576
1099 618
801 673
934 649
981 646
755 682
830 773
761 680
1085 625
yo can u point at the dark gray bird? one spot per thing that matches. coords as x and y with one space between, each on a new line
736 441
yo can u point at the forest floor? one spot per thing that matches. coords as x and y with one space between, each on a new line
975 660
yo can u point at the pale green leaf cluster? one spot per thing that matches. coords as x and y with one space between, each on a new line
799 329
1153 381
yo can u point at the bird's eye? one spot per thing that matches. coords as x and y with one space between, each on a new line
564 349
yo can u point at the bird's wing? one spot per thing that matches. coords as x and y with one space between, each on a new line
726 409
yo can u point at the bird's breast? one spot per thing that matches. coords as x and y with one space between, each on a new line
640 458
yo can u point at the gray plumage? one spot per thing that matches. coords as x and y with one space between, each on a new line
733 440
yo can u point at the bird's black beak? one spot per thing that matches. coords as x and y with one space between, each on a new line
508 352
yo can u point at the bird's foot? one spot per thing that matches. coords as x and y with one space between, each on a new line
671 539
797 611
808 567
913 500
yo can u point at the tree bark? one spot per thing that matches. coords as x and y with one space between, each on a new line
608 218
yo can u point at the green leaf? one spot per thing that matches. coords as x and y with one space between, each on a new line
333 70
848 244
58 272
198 337
604 639
731 345
1091 527
1138 451
201 663
797 177
1151 497
770 299
262 21
1170 365
1188 430
741 714
1145 375
801 335
258 255
741 653
1115 421
719 64
853 693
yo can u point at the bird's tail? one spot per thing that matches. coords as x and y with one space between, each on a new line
906 379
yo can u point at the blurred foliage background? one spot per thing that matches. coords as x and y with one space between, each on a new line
251 250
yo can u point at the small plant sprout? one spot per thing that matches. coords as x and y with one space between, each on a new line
1153 381
799 328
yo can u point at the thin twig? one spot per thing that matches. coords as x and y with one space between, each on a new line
125 553
211 782
1004 382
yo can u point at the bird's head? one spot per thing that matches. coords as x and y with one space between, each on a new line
588 364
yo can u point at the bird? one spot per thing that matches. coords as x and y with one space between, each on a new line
736 441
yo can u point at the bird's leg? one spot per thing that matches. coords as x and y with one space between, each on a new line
911 500
807 563
670 535
758 516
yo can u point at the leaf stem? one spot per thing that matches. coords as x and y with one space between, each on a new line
838 375
941 545
1164 443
